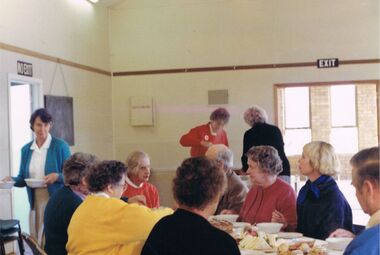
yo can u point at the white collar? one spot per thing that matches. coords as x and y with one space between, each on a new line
212 132
374 220
132 184
46 144
101 194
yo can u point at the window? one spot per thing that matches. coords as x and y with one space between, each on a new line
296 119
343 119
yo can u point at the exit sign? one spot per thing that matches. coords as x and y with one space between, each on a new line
327 63
24 68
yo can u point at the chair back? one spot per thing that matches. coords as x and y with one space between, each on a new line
33 244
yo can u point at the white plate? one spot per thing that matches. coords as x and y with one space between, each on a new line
241 224
289 235
35 183
6 185
227 217
338 243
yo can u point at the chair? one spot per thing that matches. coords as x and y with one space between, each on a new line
33 245
10 231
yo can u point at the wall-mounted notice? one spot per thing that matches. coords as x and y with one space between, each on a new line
24 68
328 63
141 111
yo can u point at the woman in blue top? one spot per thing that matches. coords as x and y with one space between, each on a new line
43 159
321 206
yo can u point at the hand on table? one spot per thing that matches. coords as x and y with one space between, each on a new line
138 199
279 218
7 179
340 232
51 178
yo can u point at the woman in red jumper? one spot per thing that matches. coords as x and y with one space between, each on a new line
203 136
138 173
270 199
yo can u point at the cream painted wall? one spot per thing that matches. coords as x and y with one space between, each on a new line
166 34
75 30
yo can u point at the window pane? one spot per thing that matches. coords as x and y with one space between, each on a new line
344 140
295 139
343 108
297 107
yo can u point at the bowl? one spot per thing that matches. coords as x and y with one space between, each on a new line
338 243
269 227
227 217
35 183
6 185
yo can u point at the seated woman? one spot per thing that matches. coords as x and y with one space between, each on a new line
138 173
321 206
270 198
63 203
104 224
197 188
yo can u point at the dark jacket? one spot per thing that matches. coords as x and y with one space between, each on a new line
58 212
318 217
265 134
186 233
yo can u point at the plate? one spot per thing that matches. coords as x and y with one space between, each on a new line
241 224
227 217
6 185
35 183
289 235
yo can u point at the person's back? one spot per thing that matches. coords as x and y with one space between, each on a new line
186 233
366 243
103 225
58 213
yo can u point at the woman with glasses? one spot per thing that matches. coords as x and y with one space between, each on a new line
104 224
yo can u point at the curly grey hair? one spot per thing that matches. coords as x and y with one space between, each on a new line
76 167
255 115
267 158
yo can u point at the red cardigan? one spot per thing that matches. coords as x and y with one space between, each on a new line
148 190
261 202
202 133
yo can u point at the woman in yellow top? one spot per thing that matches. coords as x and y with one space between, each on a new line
104 224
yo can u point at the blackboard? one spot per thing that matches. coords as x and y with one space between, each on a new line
61 108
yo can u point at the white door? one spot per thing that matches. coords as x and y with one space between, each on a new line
25 96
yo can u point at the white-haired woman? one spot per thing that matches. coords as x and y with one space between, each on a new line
262 133
138 174
321 206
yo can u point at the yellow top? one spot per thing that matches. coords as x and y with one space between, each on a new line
109 226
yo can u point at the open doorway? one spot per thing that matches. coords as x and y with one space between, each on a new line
25 96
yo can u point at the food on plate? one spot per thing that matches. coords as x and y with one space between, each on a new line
250 242
222 225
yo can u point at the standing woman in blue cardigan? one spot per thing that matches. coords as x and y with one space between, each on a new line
41 158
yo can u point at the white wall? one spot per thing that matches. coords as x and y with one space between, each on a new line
146 34
72 30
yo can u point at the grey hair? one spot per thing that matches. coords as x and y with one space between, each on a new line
365 165
267 159
133 161
76 167
255 115
222 154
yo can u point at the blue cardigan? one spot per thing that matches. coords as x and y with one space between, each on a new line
366 243
318 217
57 153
